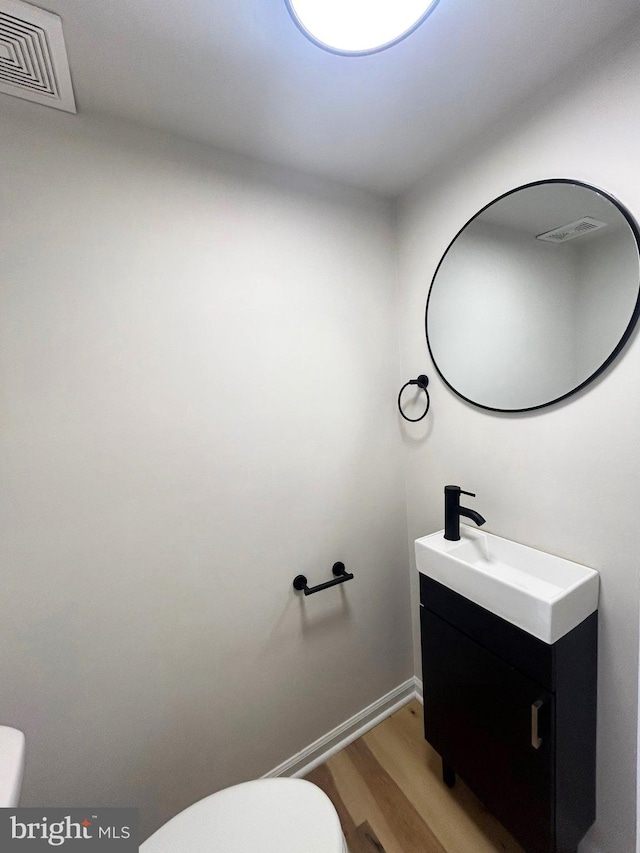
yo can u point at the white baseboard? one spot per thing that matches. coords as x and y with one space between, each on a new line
418 689
321 750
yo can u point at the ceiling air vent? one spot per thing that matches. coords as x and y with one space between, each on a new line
33 57
572 230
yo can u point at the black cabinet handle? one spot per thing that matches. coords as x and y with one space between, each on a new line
342 575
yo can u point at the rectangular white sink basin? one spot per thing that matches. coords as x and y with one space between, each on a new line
544 595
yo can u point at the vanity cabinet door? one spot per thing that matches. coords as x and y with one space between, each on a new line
478 716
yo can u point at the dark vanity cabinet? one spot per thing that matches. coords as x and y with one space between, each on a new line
512 716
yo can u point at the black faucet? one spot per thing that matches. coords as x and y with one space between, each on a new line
453 511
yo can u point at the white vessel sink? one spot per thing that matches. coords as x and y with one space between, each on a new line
544 595
11 766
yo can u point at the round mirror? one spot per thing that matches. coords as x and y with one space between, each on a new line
535 296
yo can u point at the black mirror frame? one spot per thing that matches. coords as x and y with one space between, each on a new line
619 346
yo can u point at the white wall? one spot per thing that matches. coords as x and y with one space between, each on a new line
565 479
198 370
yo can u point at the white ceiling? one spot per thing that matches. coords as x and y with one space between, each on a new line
239 75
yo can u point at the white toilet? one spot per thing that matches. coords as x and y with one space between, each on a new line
11 766
266 816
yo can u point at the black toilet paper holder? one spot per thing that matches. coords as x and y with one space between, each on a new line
300 582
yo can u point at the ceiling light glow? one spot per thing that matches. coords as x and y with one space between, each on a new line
358 26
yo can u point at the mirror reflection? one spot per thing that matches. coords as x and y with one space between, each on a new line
535 296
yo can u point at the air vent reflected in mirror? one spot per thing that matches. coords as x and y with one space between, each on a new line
572 230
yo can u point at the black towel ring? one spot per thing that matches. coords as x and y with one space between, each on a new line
422 381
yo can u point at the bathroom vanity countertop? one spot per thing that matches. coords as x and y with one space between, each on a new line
545 595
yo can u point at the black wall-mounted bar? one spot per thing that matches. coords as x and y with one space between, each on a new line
342 575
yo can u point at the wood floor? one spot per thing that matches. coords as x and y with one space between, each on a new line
387 788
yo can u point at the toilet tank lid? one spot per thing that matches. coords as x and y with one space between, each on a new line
11 766
264 816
